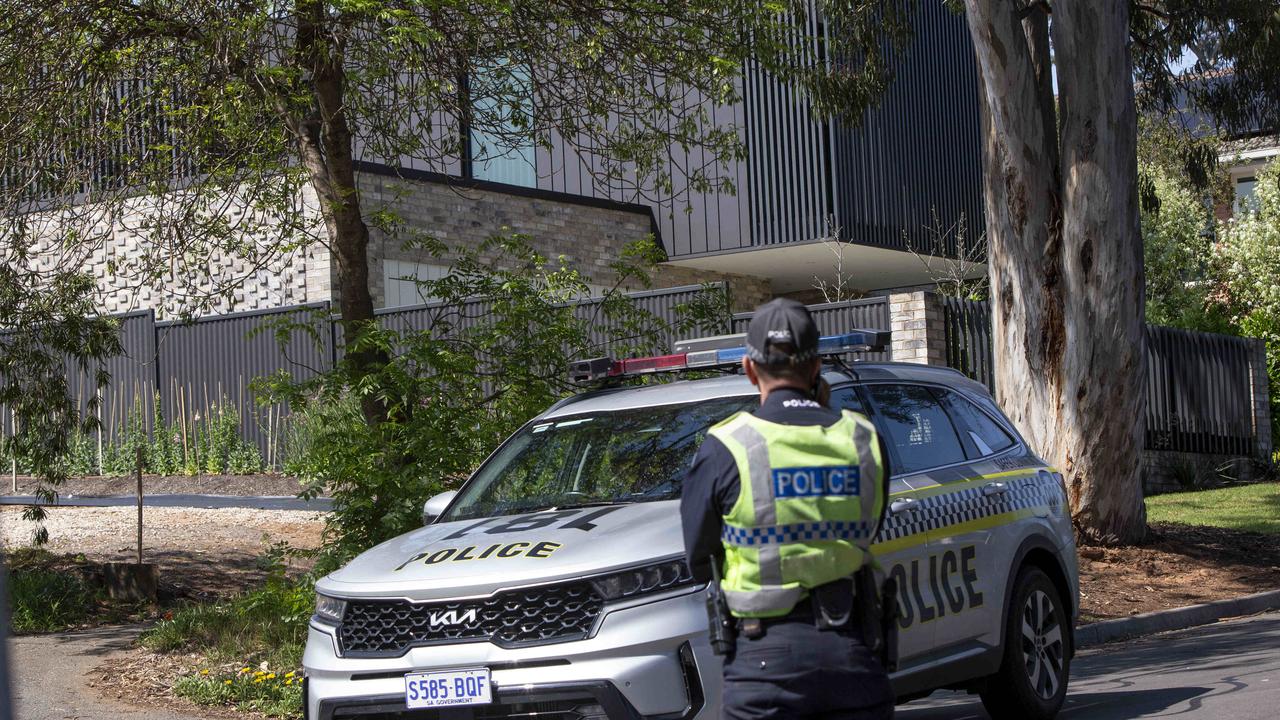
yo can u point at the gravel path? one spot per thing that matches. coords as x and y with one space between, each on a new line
208 551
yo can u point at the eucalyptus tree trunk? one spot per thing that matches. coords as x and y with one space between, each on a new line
1064 247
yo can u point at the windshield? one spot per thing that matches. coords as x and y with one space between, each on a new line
637 455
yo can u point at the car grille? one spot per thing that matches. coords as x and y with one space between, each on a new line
515 618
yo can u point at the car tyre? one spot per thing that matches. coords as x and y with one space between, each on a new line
1032 681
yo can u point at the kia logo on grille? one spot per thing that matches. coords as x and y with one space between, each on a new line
453 617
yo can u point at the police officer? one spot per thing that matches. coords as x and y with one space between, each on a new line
786 501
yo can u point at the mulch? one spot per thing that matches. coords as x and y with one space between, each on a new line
1177 565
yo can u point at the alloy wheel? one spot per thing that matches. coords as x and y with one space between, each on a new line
1042 647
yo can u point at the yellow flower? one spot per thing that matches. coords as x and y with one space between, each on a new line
272 676
205 671
257 680
244 670
288 682
290 674
226 682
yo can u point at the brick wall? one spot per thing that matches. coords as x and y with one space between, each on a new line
591 238
114 255
919 335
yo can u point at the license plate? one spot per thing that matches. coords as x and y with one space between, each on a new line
448 688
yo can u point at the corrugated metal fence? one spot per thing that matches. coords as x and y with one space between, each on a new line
194 367
1201 389
840 317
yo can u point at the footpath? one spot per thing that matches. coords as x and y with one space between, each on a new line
49 675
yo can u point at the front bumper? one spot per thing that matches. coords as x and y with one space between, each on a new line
645 661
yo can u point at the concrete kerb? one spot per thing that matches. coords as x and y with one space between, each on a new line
1176 619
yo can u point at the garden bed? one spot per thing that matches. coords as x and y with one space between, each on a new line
1178 565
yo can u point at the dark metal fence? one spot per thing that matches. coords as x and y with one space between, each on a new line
1200 395
968 339
840 317
194 368
1201 389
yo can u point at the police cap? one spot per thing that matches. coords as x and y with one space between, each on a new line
782 333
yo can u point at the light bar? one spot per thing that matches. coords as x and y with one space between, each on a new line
855 341
583 371
637 366
716 342
721 351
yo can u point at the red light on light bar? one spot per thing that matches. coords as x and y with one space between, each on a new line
653 364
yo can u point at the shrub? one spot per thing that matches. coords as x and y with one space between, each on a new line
269 624
44 600
1250 253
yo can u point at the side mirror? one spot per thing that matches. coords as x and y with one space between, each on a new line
434 507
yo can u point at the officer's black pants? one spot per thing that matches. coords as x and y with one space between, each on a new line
799 671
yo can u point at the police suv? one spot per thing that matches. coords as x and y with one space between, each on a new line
553 584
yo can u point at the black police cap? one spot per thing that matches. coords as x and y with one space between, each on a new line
782 322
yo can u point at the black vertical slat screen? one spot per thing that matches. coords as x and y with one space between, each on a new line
1200 390
968 338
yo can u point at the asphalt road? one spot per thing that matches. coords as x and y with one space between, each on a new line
267 502
1228 670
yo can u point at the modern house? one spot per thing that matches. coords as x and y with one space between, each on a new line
881 188
912 163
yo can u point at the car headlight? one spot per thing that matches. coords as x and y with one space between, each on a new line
661 576
329 610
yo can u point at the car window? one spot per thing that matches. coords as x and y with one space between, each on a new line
917 426
846 398
987 436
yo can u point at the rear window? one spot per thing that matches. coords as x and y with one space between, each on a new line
987 436
917 426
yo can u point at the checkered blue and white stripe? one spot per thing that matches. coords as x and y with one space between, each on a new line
940 511
796 532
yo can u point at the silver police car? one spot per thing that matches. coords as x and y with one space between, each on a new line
553 585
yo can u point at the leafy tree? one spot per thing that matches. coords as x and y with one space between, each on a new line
1182 269
209 130
1250 255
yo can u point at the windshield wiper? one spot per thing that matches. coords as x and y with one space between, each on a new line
594 503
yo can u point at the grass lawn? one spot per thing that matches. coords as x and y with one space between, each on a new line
1255 508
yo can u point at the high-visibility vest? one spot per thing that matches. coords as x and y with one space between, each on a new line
808 506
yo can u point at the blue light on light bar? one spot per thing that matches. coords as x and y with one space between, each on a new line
730 355
856 341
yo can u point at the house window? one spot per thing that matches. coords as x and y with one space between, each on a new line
401 282
501 149
1246 195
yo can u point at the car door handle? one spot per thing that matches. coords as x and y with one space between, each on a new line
995 488
904 505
